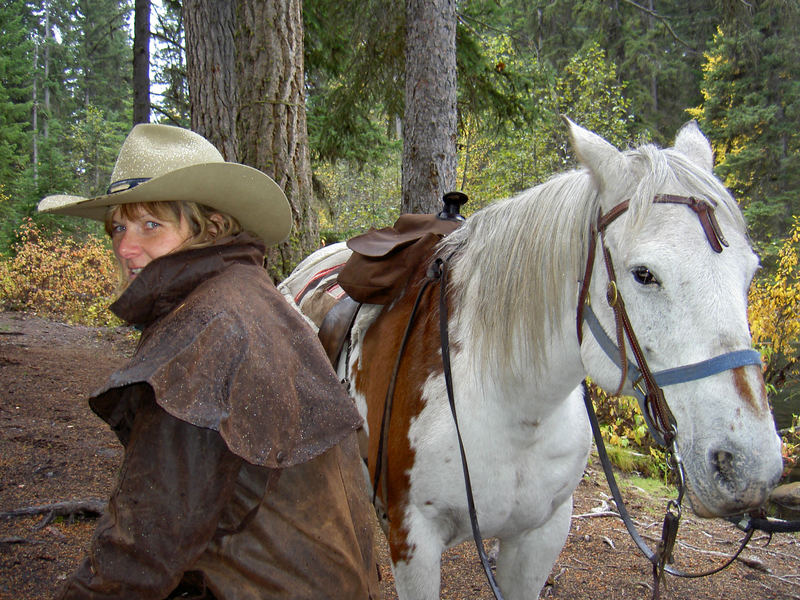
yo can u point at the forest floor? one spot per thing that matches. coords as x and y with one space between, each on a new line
54 449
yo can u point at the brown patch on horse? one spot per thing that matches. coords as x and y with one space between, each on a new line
756 399
421 359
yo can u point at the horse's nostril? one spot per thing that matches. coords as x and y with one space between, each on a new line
723 462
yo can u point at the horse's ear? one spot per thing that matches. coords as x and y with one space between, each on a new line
691 142
595 153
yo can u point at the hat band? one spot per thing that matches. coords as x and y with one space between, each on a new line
125 184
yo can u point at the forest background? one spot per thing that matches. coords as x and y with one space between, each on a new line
631 71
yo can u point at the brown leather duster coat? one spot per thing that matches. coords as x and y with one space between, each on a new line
241 477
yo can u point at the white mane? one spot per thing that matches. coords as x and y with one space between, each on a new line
518 262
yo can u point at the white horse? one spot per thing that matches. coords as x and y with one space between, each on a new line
515 273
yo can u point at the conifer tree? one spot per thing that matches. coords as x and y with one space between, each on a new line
751 112
16 90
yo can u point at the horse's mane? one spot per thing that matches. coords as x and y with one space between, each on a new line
517 263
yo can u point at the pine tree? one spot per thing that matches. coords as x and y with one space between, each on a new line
16 90
16 103
171 96
751 112
103 59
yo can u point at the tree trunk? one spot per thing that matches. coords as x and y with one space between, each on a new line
272 116
211 72
429 136
141 62
48 36
35 118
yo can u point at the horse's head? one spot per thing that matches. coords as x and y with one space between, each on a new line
687 303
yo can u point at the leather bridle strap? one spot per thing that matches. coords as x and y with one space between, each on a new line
658 559
651 397
683 374
702 208
654 401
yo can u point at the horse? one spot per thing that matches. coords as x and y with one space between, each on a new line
672 243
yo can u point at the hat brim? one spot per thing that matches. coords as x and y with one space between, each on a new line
245 193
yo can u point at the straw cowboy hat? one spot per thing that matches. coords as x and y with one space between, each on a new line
163 163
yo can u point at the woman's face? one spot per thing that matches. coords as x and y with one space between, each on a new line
143 238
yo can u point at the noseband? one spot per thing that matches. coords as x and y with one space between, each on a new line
645 383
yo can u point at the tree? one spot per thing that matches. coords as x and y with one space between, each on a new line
16 90
429 122
141 62
16 103
103 54
271 123
211 72
751 113
251 61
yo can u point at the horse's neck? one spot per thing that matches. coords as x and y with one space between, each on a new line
545 380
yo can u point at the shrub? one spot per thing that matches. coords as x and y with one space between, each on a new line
628 442
775 317
59 277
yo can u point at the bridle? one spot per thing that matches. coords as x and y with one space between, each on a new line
647 385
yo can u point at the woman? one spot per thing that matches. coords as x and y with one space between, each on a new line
241 477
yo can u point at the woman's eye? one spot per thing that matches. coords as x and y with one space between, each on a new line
151 225
116 228
643 276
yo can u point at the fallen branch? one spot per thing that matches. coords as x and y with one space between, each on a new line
602 513
15 539
91 507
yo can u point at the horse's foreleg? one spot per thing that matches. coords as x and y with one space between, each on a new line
525 560
416 560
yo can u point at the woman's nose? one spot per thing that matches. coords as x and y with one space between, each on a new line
128 245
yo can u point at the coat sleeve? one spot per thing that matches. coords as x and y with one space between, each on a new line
175 480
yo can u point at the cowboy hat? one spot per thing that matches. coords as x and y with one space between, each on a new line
165 163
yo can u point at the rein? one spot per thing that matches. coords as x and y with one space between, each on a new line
437 272
647 387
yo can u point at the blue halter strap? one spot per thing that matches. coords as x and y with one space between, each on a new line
684 374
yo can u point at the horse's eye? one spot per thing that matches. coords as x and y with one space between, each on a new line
644 276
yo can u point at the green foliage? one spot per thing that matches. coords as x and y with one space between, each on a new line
59 277
496 164
16 61
94 143
627 437
354 77
355 200
751 113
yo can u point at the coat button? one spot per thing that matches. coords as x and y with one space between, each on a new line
280 456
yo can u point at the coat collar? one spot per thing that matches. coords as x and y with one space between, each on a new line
167 280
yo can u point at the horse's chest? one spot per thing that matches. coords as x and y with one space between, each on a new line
519 474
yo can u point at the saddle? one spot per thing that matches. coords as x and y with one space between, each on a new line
381 265
383 260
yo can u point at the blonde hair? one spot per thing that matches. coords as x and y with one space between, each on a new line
205 230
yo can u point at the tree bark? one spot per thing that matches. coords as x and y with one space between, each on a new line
211 72
429 135
141 62
271 124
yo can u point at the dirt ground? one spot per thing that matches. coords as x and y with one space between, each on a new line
54 449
